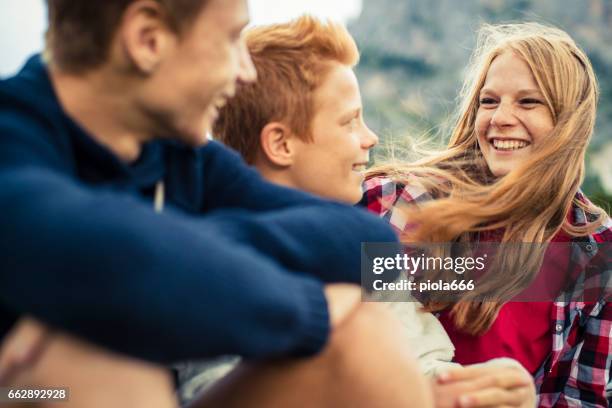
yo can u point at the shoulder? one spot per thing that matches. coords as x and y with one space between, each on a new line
28 138
214 150
604 232
388 198
33 127
580 216
223 162
382 193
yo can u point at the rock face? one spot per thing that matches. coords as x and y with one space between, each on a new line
414 53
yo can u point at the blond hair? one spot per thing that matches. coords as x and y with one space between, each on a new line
530 203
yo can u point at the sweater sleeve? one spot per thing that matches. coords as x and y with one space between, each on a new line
105 267
302 231
237 185
323 239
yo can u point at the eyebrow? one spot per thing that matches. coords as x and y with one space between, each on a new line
522 92
350 115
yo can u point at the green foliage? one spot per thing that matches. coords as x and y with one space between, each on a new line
593 189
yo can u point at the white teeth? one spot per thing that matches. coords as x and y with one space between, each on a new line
359 167
509 144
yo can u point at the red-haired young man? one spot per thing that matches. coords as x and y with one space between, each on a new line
301 124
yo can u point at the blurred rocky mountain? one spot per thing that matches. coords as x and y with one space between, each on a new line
414 53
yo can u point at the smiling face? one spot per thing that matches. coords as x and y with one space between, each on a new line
512 115
200 72
332 164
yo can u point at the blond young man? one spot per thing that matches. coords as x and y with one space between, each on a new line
134 242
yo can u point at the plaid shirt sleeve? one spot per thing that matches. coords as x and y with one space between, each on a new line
577 373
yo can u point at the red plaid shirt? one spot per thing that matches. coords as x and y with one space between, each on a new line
577 372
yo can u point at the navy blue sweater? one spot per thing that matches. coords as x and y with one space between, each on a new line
234 265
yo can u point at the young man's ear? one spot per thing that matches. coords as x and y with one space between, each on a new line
278 144
145 36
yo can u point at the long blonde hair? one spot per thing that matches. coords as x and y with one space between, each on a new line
531 203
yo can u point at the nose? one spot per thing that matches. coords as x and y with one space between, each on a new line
247 72
503 116
369 139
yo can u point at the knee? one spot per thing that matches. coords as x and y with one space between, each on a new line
98 378
369 323
371 352
370 335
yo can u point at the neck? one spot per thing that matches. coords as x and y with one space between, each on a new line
101 103
278 176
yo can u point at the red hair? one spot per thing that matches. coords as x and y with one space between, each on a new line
291 61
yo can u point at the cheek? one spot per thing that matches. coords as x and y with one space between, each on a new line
481 126
353 148
228 63
337 166
215 66
482 123
540 130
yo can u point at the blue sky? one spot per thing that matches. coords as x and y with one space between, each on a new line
22 22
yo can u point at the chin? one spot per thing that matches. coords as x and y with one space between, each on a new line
354 196
500 171
195 139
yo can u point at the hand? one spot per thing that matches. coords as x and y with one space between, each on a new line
485 386
342 299
22 347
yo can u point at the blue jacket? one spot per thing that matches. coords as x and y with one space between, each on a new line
234 265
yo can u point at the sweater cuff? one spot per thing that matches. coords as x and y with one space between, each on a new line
314 325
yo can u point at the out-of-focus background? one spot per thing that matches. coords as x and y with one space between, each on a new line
414 53
413 56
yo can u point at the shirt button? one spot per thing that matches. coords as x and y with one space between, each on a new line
559 328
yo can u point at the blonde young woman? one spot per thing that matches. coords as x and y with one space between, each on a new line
511 173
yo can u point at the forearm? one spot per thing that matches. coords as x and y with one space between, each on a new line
322 240
107 269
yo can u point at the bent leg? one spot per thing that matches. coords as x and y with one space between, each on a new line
367 363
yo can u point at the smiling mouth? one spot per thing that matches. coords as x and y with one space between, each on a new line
506 145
